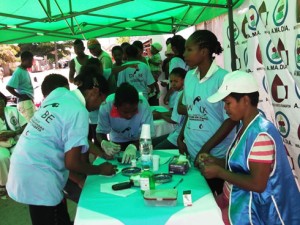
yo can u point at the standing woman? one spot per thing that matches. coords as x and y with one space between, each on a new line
208 128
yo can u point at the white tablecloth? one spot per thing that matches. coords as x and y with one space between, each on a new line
162 127
95 206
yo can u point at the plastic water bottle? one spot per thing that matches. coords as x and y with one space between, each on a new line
147 181
146 146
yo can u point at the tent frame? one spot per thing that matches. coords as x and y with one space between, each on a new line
76 28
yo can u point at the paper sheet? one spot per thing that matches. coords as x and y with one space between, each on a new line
164 159
106 188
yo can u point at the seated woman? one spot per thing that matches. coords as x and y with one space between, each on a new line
12 123
259 187
122 116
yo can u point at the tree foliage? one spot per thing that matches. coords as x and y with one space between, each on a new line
47 49
8 53
121 40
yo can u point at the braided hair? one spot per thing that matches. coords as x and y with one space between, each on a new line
207 39
178 42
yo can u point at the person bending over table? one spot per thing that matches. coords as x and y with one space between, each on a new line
73 187
54 142
259 187
122 116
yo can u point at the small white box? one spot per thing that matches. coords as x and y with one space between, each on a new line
187 198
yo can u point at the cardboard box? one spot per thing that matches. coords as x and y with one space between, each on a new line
177 166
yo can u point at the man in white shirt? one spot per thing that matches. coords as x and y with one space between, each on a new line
52 144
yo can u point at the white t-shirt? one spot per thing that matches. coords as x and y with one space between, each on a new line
175 63
140 77
37 172
120 129
204 118
179 119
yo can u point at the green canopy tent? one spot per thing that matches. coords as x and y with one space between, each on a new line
32 21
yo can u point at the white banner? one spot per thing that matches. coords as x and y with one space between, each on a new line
267 44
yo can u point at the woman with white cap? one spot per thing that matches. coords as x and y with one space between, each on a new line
259 184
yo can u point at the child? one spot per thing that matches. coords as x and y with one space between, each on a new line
178 46
170 141
155 67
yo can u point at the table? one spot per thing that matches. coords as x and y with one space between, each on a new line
96 207
162 127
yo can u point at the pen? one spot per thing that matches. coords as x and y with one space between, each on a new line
178 183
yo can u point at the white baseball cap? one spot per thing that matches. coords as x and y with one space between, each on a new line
235 82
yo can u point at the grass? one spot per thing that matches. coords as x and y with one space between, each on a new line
14 213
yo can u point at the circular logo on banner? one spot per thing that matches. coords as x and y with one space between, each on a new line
13 121
265 85
279 90
246 57
297 51
258 55
253 18
236 32
283 124
272 54
280 12
297 91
